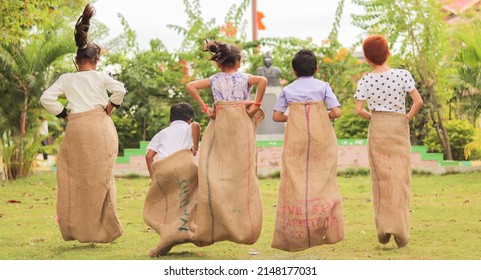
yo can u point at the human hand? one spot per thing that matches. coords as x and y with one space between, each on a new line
109 108
194 151
252 109
211 113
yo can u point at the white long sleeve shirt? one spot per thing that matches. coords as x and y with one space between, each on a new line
84 90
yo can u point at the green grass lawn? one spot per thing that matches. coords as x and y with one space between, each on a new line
445 224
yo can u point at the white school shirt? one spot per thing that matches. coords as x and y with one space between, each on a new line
84 90
385 91
176 137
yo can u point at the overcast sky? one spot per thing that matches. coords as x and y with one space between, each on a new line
283 18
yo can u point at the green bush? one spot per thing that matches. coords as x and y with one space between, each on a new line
128 131
350 172
19 153
460 133
351 126
421 172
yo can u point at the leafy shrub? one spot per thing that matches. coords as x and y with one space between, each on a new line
473 150
351 126
421 172
19 153
460 133
350 172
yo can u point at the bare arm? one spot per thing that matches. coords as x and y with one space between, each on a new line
261 83
193 89
361 111
417 104
279 117
149 158
195 137
335 113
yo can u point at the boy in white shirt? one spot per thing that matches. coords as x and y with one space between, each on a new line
183 133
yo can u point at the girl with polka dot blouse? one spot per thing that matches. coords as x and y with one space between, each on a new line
389 147
384 89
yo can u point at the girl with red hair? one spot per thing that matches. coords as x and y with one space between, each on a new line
389 148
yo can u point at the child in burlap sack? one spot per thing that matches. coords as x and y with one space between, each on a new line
229 204
170 204
183 133
389 147
309 209
86 186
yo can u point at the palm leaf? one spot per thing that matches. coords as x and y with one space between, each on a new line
470 147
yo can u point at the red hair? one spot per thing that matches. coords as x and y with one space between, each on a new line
376 49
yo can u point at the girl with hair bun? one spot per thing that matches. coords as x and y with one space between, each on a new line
229 203
228 84
86 189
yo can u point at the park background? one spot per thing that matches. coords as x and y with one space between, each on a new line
437 41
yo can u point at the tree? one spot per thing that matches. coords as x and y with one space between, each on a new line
416 32
18 18
469 69
461 132
152 78
25 66
336 63
23 75
469 72
156 78
194 62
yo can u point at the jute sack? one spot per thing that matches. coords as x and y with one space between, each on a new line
309 209
86 187
389 151
170 204
229 203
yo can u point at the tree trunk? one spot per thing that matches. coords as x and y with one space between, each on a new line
18 161
144 129
438 124
442 134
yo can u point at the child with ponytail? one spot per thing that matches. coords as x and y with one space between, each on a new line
229 84
86 190
229 203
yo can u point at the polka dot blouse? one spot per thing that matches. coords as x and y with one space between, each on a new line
385 91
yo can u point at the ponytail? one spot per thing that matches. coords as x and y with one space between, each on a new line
85 50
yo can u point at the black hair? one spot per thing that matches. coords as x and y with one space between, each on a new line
227 55
181 112
86 50
304 63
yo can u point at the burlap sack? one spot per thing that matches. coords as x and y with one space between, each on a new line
389 151
229 204
309 209
170 204
85 178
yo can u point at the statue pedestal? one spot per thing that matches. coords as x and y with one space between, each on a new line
270 130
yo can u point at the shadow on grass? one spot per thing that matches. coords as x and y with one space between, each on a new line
177 255
387 248
66 247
